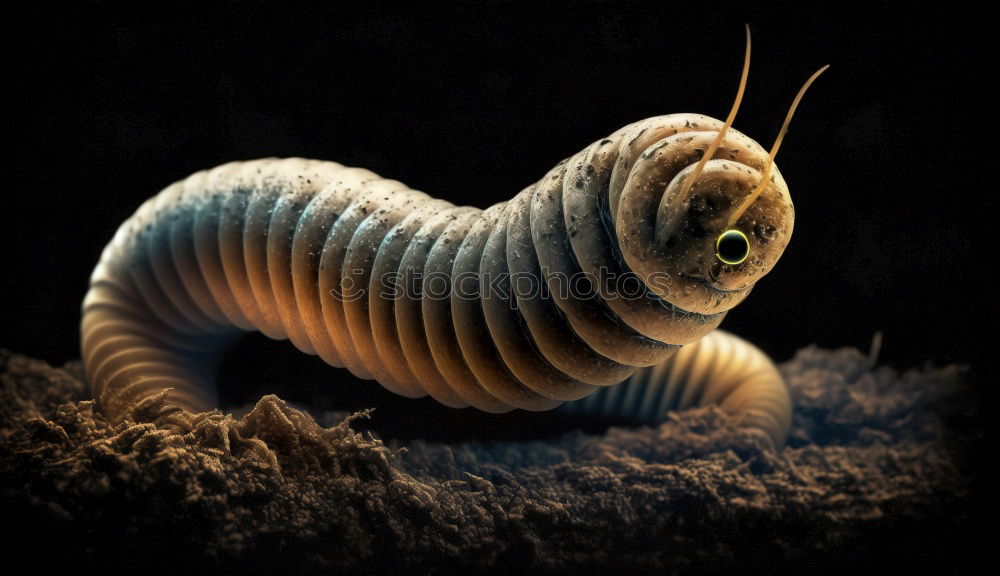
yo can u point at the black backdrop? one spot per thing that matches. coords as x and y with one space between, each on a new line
472 102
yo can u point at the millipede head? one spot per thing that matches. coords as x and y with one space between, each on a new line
690 252
702 212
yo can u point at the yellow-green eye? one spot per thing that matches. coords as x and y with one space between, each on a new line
732 247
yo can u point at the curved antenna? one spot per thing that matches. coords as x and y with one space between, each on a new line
766 177
690 180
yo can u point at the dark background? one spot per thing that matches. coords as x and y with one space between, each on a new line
473 102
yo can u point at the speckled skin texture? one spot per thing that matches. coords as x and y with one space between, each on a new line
869 481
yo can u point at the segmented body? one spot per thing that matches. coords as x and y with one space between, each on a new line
422 295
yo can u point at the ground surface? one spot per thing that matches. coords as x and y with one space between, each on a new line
878 475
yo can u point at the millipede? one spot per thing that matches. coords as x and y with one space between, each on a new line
598 289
